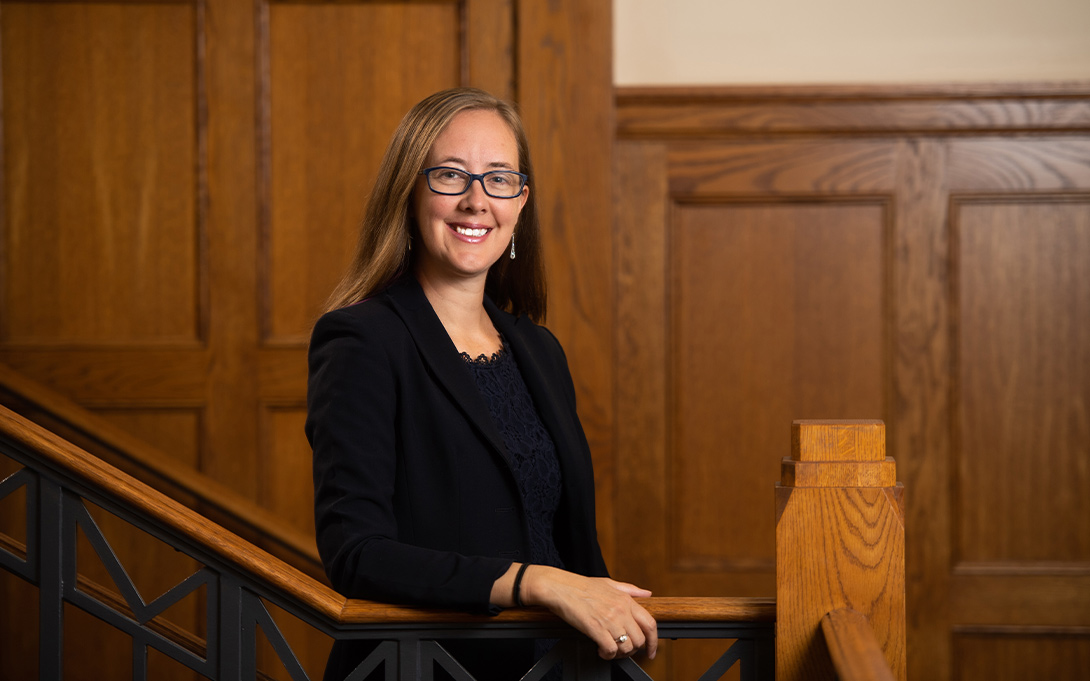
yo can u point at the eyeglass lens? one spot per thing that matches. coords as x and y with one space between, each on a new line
500 184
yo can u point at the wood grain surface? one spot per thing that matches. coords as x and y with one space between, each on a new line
838 547
936 278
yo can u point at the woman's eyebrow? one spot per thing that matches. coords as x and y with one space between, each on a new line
462 162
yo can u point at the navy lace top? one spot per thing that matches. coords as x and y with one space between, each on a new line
531 450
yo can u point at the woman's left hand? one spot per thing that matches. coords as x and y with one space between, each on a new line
600 607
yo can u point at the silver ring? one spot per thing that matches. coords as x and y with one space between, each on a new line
623 638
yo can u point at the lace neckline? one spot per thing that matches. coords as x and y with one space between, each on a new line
484 359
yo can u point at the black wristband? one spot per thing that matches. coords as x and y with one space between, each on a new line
516 590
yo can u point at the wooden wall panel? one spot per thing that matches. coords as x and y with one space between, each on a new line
749 288
968 212
1006 656
1023 377
339 82
100 182
285 487
564 87
176 431
778 313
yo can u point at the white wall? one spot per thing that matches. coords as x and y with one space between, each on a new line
659 42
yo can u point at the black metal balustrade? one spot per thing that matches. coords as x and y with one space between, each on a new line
236 597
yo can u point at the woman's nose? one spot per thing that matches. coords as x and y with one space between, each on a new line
475 199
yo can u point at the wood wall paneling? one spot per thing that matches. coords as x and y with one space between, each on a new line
564 88
858 244
182 183
284 488
918 424
339 81
100 148
104 273
641 214
1019 596
176 431
777 312
1023 380
752 288
1003 655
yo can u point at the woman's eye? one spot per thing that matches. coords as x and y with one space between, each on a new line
501 180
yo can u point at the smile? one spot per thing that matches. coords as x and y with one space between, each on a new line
468 231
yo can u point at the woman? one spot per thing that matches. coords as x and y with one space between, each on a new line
450 467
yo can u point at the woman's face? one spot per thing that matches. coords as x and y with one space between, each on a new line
464 235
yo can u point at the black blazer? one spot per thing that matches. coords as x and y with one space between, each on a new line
415 499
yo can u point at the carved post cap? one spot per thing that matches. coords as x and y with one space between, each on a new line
863 440
838 454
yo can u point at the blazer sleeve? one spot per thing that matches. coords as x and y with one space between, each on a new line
352 419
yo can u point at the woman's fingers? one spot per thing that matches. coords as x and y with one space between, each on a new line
601 608
631 589
650 629
645 633
630 627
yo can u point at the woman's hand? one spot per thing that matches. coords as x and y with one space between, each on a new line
599 607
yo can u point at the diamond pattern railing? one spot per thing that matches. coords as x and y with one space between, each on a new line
236 584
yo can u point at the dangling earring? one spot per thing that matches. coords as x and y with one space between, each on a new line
512 246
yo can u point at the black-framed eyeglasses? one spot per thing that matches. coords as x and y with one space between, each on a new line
499 184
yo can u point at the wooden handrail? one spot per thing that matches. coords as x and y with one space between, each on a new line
834 466
143 459
840 546
57 453
60 454
853 647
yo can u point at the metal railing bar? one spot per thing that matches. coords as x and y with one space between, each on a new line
146 635
50 580
408 659
161 626
189 585
674 630
726 660
254 610
139 660
228 644
21 477
77 513
633 670
433 652
384 653
581 661
15 559
545 664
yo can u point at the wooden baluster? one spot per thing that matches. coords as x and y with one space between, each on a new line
840 543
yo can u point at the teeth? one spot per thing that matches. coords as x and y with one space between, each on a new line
471 232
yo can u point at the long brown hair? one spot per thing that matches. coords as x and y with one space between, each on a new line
382 250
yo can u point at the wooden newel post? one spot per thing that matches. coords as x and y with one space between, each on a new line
840 543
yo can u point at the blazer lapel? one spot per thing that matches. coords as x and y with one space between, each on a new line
443 358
